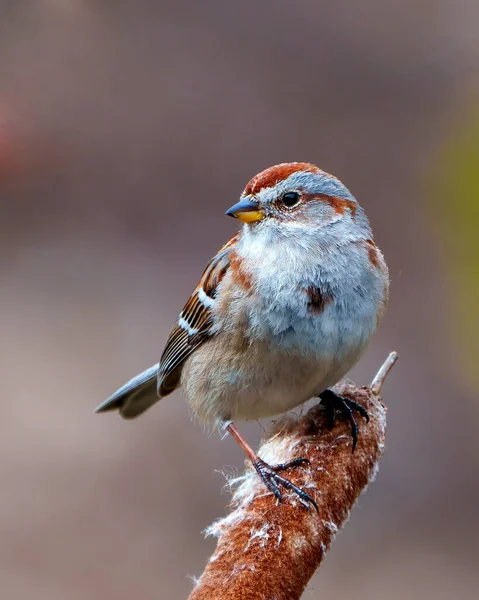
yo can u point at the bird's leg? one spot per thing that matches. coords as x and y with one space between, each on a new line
268 473
343 407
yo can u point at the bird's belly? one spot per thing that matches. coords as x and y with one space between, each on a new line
223 382
293 384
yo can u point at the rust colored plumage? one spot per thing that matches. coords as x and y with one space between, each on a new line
239 274
372 253
217 268
270 177
317 300
376 260
339 205
194 325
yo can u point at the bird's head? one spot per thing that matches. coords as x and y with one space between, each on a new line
294 195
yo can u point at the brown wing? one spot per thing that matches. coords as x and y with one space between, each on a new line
195 322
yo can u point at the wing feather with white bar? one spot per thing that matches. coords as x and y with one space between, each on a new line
194 326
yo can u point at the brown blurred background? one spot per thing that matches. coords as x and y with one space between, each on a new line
126 130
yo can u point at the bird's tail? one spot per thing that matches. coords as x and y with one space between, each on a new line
135 396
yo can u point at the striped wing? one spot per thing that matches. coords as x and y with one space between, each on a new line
195 322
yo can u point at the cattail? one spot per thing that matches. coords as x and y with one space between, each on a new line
269 551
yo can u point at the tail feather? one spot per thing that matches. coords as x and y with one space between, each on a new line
135 396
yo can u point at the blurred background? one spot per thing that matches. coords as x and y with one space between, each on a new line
126 130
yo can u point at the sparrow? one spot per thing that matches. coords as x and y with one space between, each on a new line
281 313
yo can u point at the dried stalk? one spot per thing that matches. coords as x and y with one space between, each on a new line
267 551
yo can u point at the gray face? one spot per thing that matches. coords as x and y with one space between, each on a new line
307 208
312 183
306 199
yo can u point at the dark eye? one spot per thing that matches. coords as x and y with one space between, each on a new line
290 199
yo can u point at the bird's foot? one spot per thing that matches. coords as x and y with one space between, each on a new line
338 407
271 479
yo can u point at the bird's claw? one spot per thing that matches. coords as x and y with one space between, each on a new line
271 479
337 405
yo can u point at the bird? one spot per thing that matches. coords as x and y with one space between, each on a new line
281 313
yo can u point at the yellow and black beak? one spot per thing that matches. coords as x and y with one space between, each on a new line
246 210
